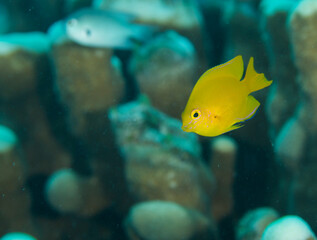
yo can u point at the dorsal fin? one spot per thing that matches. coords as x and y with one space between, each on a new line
234 68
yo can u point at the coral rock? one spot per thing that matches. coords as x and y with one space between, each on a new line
20 55
89 81
296 141
23 58
160 220
224 150
166 70
68 192
254 222
283 95
161 161
15 198
288 228
17 236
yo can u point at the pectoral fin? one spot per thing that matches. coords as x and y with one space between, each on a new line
234 127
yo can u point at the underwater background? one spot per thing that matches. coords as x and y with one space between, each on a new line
91 145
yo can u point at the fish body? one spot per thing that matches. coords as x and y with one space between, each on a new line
220 101
102 28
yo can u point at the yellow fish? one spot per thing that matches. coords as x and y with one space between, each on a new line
220 101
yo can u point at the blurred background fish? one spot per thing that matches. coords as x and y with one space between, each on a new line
104 28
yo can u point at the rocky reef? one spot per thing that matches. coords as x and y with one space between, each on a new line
91 144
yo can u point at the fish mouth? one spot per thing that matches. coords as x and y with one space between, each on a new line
185 128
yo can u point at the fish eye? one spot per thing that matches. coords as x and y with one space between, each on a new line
72 22
88 32
195 114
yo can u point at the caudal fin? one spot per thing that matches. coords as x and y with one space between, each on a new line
255 81
142 32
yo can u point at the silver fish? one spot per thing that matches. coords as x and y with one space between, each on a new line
100 28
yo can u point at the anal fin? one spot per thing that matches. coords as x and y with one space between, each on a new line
251 108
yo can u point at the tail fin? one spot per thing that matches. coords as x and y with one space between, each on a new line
142 32
254 80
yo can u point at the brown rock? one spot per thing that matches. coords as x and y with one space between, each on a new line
25 68
224 150
15 199
166 221
252 225
68 192
283 95
161 161
166 70
89 82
